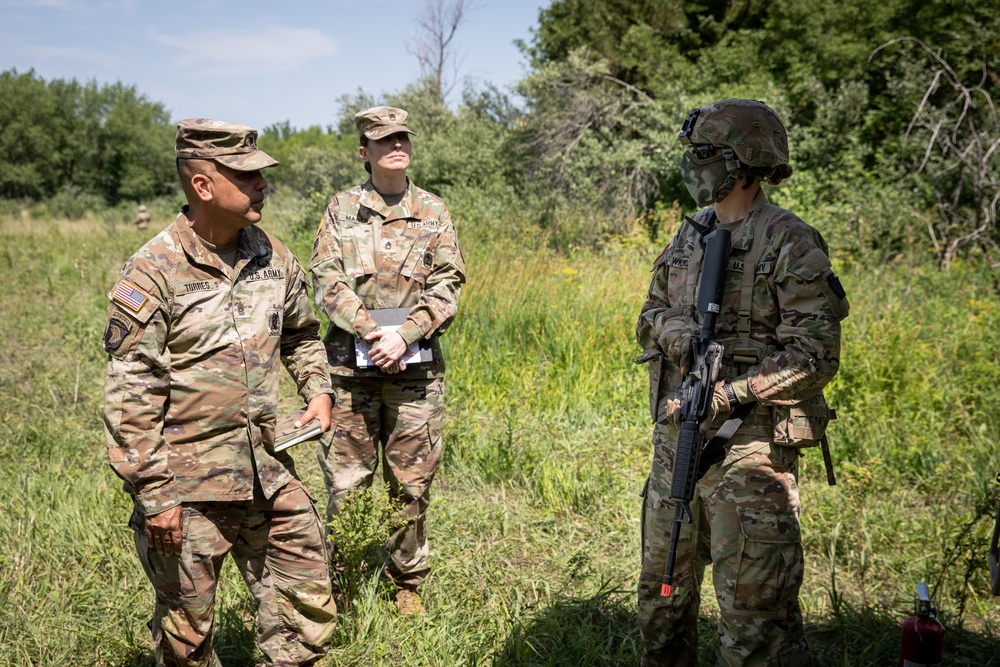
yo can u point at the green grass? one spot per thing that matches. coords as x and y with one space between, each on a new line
534 521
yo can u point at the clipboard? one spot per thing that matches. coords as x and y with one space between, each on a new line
390 319
286 435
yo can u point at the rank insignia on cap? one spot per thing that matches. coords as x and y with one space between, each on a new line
129 295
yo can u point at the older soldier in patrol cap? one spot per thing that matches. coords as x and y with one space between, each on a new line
196 326
387 244
779 324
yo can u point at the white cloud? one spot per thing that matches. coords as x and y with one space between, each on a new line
248 52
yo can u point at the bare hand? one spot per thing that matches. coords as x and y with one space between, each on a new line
388 350
165 531
319 408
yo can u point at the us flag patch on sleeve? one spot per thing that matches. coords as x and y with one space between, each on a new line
129 296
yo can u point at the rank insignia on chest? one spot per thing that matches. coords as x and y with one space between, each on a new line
129 296
428 260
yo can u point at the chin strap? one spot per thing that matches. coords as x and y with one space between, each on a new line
735 168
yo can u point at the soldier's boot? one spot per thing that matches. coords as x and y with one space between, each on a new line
408 603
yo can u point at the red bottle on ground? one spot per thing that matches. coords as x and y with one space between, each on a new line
923 637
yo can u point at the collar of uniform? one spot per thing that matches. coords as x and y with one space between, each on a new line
371 199
743 236
249 244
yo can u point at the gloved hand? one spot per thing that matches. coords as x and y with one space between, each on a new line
720 403
669 410
675 340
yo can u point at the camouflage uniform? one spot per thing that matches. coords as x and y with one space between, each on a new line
368 255
191 395
779 324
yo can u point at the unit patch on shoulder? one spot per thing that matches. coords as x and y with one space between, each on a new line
129 296
119 327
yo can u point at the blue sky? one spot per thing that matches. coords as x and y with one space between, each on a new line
250 61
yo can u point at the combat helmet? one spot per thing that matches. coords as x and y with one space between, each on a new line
750 128
752 140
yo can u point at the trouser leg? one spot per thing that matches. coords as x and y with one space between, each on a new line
185 585
348 452
282 556
669 625
412 420
757 559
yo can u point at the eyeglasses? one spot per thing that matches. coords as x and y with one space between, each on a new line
704 151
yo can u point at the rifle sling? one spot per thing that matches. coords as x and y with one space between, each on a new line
714 450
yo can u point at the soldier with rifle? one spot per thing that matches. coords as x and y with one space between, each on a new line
741 331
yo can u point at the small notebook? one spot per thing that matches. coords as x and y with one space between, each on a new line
390 319
287 435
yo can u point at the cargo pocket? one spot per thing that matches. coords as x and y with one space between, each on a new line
361 261
768 562
420 260
655 378
803 424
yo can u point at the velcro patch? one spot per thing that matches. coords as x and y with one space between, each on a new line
129 296
678 262
422 224
835 285
273 322
119 327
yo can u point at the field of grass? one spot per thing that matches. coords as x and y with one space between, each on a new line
534 525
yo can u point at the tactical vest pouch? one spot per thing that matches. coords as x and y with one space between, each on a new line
804 424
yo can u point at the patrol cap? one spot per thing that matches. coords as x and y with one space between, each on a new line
230 144
379 122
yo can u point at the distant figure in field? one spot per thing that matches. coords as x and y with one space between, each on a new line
142 218
199 324
779 326
386 245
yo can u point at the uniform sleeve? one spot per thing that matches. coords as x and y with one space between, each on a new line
811 304
302 352
661 321
657 303
136 387
332 292
438 303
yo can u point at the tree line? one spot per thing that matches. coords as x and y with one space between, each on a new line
890 107
105 140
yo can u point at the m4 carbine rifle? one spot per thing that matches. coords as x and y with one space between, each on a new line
696 392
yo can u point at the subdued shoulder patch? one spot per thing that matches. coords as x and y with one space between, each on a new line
129 296
119 328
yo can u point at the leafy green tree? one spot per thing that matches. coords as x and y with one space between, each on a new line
30 130
108 140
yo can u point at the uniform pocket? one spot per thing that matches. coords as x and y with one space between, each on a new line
770 556
420 260
655 377
358 254
803 424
